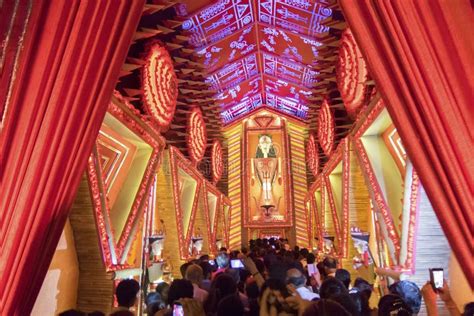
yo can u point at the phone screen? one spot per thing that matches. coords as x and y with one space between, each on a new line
236 264
178 310
437 278
312 269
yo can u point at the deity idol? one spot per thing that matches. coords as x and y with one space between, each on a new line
361 244
266 168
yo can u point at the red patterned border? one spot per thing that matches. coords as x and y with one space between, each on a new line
374 186
114 254
179 161
226 202
412 225
212 233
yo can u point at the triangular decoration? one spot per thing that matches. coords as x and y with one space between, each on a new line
264 120
212 202
241 8
188 194
267 6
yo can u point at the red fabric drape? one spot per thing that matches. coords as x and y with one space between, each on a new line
420 54
72 54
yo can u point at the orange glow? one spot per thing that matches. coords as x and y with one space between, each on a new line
326 128
217 161
197 135
160 86
312 156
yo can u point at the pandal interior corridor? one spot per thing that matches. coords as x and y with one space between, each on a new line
236 157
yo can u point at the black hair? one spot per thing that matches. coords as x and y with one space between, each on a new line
344 276
390 304
180 288
330 263
126 292
231 305
332 287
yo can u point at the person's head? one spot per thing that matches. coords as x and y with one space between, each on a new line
194 274
163 288
330 265
152 308
204 258
468 309
409 292
364 287
393 305
332 287
207 269
225 284
295 277
310 258
152 297
180 288
326 307
96 313
321 270
222 260
126 292
183 268
231 305
344 276
122 313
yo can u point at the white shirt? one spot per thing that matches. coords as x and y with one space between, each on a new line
306 293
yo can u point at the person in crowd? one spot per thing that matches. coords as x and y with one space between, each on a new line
430 296
330 266
126 294
409 292
393 305
162 289
179 288
296 279
222 286
222 261
194 274
230 305
344 276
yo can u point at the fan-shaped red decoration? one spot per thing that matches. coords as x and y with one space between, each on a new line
160 85
217 161
351 74
326 128
312 155
196 136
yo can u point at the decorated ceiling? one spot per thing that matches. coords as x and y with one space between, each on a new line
260 53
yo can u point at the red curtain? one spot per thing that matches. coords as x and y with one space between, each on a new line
56 98
420 54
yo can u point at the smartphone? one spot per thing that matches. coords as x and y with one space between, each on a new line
212 262
236 264
312 269
437 278
178 309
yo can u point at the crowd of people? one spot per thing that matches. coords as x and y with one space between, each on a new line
269 279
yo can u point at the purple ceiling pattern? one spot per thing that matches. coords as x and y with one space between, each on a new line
260 53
